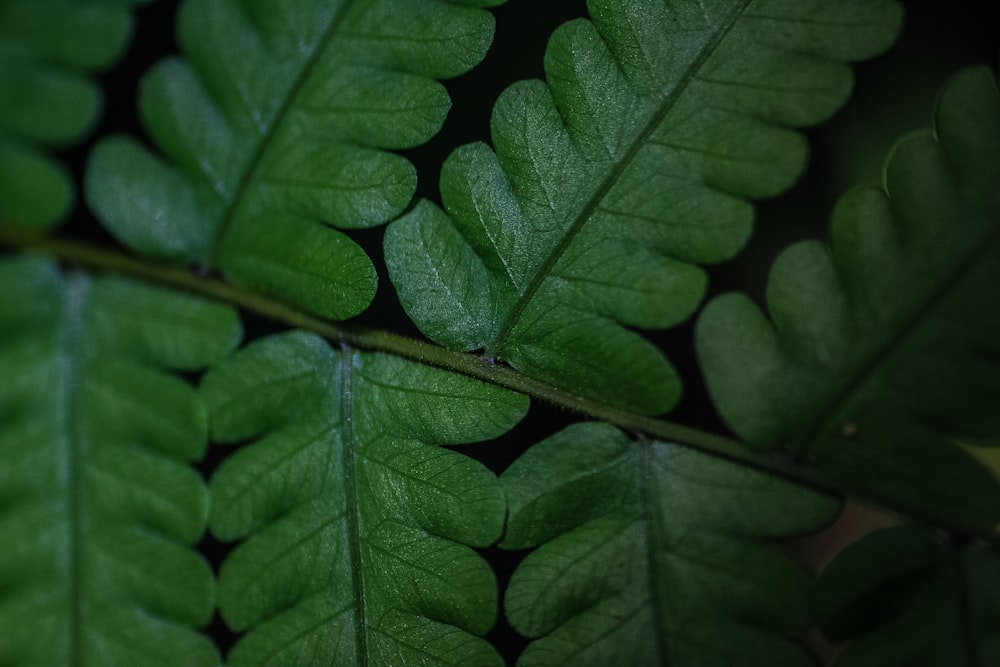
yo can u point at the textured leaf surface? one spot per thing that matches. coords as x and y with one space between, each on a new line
47 48
98 509
903 597
275 124
651 554
610 184
884 347
356 523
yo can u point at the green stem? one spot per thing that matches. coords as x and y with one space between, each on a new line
366 338
382 341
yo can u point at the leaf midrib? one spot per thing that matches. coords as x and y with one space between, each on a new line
652 520
352 515
960 580
77 289
670 99
883 353
266 139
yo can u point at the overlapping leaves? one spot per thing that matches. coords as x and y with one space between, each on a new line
98 509
651 554
607 189
905 596
886 346
275 124
47 47
355 521
610 184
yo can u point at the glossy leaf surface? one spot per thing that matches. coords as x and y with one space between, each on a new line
609 184
649 554
884 347
98 507
275 125
357 524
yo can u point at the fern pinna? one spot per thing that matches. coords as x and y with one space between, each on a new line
336 520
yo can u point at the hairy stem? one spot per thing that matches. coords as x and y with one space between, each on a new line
366 338
377 340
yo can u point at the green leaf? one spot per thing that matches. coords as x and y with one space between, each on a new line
885 346
905 597
652 554
276 124
357 525
98 507
610 183
47 48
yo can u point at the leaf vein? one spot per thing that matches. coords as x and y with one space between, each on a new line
668 102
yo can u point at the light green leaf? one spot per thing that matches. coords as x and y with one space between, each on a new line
357 525
884 347
47 48
903 597
652 554
98 507
276 124
612 182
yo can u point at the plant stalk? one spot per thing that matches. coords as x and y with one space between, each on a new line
345 333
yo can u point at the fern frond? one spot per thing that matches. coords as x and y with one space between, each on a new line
47 48
276 124
98 511
612 182
906 597
650 554
885 347
356 524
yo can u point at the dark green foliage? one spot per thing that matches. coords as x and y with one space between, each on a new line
47 48
882 350
609 185
347 526
905 596
276 123
649 552
355 520
98 509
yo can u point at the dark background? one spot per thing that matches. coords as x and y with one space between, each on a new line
894 94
